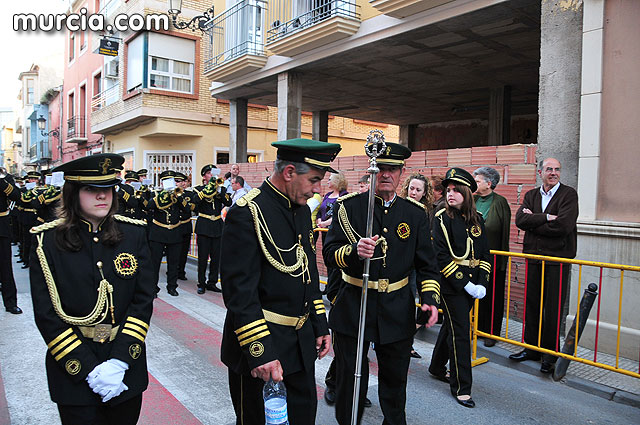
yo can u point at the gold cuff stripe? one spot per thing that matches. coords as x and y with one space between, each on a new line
252 332
250 325
68 350
8 190
247 341
321 311
126 196
318 302
137 322
64 343
133 334
449 273
59 337
137 328
430 289
448 267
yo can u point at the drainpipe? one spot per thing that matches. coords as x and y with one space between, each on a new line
60 127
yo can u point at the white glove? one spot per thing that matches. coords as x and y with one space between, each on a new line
106 379
471 289
481 291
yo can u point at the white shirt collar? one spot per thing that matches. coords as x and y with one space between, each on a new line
387 203
551 191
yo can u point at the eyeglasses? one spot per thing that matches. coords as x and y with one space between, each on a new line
549 169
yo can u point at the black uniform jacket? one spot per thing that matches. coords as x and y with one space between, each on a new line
450 234
8 192
46 202
165 225
185 213
251 284
209 202
70 356
30 215
404 225
127 201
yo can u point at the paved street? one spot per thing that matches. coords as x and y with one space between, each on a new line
188 382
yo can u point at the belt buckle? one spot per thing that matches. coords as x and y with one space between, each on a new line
301 321
102 333
383 285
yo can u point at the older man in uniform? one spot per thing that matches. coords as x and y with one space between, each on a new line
401 242
8 192
276 325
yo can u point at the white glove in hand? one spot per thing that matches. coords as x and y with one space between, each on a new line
481 291
471 289
106 379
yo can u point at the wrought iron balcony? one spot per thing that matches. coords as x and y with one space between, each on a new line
105 98
236 41
296 26
76 129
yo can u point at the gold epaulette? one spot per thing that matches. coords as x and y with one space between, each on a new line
439 213
46 226
416 203
248 197
347 196
129 220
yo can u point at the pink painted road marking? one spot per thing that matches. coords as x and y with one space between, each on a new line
159 406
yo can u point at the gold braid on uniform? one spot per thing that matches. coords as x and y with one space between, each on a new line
446 237
351 234
261 227
105 290
129 220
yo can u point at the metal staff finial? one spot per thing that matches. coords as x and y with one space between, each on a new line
374 147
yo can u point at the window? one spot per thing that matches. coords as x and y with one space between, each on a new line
30 92
72 46
158 162
169 74
135 59
97 84
83 40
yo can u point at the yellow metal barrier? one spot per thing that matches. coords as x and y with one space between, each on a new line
477 333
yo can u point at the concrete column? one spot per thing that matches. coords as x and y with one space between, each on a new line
499 116
408 136
289 106
559 91
237 130
320 126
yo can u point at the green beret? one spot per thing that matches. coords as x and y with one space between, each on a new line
312 152
95 170
462 176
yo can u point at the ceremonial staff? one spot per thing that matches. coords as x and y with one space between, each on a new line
374 147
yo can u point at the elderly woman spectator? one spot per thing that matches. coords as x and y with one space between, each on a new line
338 188
497 215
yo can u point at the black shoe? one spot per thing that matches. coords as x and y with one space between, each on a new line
466 403
330 396
172 292
546 367
443 378
183 276
16 255
524 355
19 261
201 290
489 342
14 310
26 266
213 287
367 402
415 354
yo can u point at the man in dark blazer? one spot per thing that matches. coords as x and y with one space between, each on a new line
548 216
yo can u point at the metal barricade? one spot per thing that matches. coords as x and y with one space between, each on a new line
557 352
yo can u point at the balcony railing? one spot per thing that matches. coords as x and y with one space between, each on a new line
287 16
33 152
105 98
45 150
236 32
76 129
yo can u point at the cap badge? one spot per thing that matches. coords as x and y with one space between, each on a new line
104 164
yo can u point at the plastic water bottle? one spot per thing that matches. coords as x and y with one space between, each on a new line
275 403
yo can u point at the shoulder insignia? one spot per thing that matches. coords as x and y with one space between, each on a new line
439 213
242 202
129 220
416 203
46 226
347 196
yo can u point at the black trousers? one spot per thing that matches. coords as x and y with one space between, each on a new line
9 291
125 413
485 306
184 251
26 244
208 247
248 403
453 344
173 254
551 298
393 365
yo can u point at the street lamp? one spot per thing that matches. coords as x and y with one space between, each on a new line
42 123
197 22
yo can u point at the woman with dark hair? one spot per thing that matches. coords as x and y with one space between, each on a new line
92 288
462 252
497 219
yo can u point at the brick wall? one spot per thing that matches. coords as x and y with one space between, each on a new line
515 163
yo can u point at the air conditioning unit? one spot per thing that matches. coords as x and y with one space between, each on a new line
111 69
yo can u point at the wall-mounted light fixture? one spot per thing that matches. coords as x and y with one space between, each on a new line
42 124
197 22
